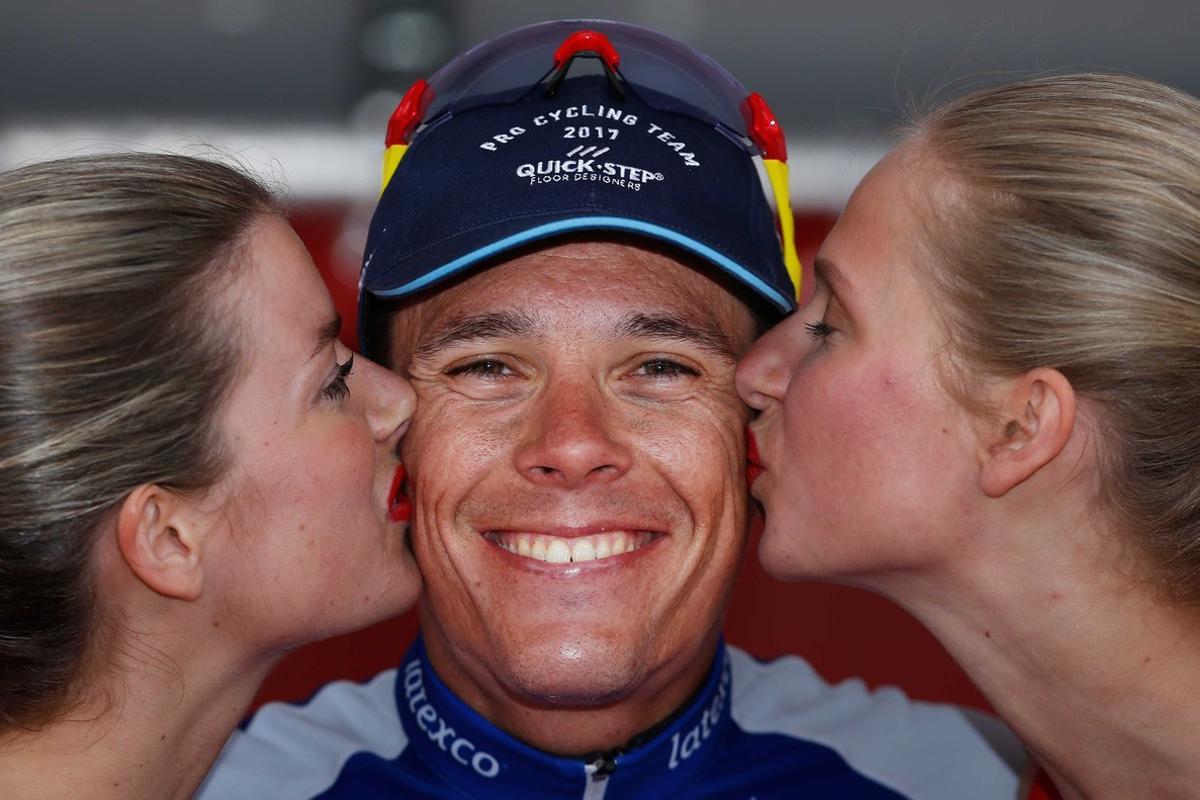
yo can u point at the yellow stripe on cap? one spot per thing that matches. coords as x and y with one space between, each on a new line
391 160
777 171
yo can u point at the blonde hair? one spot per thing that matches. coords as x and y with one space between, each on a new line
113 363
1074 243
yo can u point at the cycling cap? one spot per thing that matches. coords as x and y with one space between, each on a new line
581 125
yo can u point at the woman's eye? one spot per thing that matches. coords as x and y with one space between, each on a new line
483 368
338 389
819 329
664 368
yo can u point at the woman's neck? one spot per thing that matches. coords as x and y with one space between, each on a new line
153 730
1096 674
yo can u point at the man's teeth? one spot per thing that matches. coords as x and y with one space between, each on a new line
556 550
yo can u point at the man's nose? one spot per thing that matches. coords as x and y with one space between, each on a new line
574 439
764 372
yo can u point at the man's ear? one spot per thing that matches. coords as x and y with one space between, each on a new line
158 534
1035 421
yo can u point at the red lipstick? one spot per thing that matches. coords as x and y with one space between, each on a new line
754 467
399 503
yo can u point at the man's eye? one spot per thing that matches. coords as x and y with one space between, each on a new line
482 368
664 368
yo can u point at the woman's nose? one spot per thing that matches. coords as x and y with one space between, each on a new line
390 400
765 371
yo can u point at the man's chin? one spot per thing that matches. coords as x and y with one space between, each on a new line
571 672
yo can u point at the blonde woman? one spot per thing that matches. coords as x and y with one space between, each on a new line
196 475
990 413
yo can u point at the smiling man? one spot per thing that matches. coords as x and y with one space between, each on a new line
579 475
568 262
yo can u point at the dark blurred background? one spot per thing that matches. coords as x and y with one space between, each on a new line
305 86
300 90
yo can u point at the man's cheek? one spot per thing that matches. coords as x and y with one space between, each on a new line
439 428
704 462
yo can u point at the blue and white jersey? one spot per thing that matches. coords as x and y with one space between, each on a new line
756 731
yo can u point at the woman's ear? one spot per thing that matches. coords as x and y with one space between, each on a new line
159 536
1034 423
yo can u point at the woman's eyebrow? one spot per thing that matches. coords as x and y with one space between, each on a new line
328 333
828 273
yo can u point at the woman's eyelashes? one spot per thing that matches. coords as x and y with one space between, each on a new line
338 389
830 321
819 329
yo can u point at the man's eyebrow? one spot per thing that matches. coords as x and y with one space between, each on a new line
828 273
461 330
679 328
328 333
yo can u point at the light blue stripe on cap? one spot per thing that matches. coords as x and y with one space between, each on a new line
592 223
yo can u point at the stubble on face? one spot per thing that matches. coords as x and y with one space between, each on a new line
575 327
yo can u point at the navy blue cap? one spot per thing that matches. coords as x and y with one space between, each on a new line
484 181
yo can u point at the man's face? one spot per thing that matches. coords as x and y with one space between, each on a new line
577 464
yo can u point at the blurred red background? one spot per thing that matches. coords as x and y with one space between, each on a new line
843 632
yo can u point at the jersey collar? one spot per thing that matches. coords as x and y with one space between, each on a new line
481 760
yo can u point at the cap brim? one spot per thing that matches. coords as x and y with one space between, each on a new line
509 240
